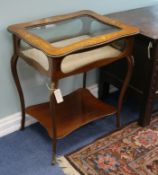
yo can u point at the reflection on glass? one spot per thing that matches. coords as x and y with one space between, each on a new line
84 26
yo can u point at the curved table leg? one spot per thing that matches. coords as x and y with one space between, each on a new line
130 63
14 60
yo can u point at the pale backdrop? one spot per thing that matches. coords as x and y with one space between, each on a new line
14 11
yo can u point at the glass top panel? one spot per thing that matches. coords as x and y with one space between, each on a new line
72 30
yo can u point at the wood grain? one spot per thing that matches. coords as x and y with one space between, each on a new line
78 109
37 42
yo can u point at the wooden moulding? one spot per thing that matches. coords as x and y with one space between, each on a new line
79 108
20 30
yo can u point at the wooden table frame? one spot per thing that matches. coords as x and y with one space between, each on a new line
56 55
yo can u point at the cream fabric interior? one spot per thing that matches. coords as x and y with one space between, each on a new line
38 56
76 61
73 61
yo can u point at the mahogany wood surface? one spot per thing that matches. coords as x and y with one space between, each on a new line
78 109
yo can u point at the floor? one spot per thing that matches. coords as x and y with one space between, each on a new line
28 152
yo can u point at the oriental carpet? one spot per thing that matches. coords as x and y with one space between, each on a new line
133 150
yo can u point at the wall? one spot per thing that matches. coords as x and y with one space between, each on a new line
20 11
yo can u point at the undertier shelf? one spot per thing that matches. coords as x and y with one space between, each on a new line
79 108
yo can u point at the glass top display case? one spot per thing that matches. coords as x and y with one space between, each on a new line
65 45
70 28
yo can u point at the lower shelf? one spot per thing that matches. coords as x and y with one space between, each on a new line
78 109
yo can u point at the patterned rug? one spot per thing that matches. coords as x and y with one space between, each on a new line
132 150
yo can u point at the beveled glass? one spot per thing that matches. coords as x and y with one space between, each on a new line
78 26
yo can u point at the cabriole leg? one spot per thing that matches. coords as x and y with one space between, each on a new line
18 86
130 63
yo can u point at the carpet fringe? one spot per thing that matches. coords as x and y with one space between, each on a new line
67 168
